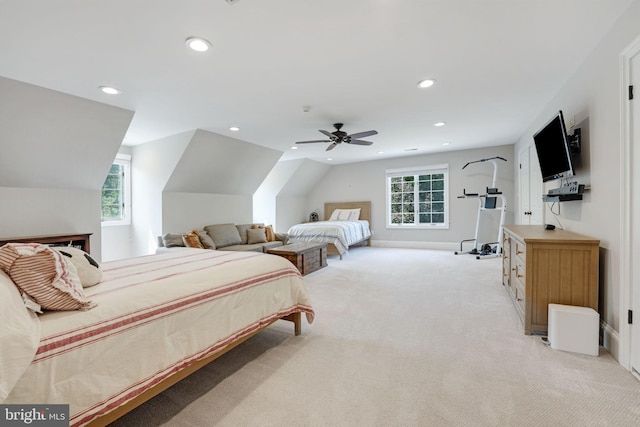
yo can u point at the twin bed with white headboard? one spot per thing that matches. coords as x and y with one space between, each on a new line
345 224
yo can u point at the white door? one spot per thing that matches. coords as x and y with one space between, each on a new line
530 178
634 205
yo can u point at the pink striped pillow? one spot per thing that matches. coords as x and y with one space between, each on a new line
44 275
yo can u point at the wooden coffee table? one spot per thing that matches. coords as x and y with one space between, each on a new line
307 257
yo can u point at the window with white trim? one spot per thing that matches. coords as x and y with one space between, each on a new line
418 197
116 193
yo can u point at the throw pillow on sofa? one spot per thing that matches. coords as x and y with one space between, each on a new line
223 235
192 240
268 230
205 239
242 230
256 235
172 240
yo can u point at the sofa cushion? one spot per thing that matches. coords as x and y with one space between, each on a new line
253 248
223 235
271 245
242 231
256 235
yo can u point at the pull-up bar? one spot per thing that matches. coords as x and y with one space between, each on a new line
495 167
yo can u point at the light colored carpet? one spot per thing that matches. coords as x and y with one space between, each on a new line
402 337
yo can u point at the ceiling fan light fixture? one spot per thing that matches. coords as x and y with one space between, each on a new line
198 44
423 84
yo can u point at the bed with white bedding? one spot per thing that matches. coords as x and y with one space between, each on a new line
156 319
346 224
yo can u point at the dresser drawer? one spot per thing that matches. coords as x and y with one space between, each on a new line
519 250
519 269
519 296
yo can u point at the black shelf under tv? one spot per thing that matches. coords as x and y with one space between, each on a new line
561 197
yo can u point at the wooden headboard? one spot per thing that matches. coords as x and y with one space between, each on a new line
78 240
365 209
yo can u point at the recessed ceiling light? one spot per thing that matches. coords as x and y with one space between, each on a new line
198 44
423 84
294 147
439 124
329 158
109 90
380 152
446 143
234 128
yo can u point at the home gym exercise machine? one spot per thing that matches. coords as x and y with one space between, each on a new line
486 202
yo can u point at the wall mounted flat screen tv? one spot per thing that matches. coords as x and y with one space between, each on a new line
554 153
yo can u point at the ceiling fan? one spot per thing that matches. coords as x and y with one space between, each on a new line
338 137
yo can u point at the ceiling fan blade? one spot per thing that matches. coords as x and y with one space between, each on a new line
311 142
363 134
360 142
332 146
328 134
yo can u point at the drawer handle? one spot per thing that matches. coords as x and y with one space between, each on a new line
519 252
520 275
518 299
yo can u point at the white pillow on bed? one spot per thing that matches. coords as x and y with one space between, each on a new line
19 335
345 215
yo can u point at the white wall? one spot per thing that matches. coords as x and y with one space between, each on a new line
182 212
151 167
366 181
117 242
44 211
291 210
593 95
285 191
56 152
194 179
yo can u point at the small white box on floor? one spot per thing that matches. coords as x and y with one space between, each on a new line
574 329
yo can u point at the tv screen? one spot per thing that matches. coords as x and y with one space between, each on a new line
553 150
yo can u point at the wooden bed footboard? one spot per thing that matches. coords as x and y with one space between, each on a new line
365 214
120 411
332 250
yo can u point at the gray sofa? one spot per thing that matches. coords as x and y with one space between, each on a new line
226 237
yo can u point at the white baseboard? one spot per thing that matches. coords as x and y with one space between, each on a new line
610 340
445 246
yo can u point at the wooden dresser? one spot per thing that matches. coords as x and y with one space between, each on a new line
542 267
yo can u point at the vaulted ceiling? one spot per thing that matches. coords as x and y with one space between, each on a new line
281 70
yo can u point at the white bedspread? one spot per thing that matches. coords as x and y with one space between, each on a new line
341 234
154 316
